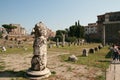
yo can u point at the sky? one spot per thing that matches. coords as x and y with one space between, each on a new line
55 14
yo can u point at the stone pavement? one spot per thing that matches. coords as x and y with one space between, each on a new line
113 72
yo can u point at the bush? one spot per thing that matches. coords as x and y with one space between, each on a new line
71 39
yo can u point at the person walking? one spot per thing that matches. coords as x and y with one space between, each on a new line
115 53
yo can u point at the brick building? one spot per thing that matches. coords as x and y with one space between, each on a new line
91 32
91 28
109 27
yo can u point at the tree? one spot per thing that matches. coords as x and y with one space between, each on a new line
78 23
82 32
76 30
59 34
8 26
73 33
71 39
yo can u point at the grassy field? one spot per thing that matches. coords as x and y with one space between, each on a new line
73 49
98 59
21 49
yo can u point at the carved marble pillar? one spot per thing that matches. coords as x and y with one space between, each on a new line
38 67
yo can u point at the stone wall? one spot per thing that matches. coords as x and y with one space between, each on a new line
18 30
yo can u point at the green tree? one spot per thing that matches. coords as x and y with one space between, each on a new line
59 34
73 33
8 26
76 30
71 39
82 32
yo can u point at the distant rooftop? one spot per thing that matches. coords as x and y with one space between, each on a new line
117 12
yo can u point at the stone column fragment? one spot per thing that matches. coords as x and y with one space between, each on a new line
38 67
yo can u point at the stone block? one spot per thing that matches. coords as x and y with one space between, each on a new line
85 52
91 50
72 58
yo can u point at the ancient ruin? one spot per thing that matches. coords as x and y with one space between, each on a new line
38 68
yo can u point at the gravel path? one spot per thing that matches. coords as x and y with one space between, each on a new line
113 72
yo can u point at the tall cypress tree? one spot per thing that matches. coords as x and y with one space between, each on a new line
75 23
78 23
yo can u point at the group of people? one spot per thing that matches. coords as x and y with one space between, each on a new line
116 52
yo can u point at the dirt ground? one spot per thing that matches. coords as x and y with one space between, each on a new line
17 64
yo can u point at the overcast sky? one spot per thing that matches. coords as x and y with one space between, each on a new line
55 14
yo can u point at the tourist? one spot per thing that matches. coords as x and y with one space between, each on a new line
115 53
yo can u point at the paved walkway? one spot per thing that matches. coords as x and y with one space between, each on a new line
113 72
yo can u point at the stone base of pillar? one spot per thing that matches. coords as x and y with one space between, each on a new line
38 74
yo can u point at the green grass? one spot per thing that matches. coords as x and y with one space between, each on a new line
98 59
72 49
15 49
18 50
100 77
53 72
2 65
19 79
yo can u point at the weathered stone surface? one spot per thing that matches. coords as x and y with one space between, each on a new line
50 45
85 52
57 43
100 46
40 45
39 60
91 50
96 48
72 58
3 48
11 46
38 75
